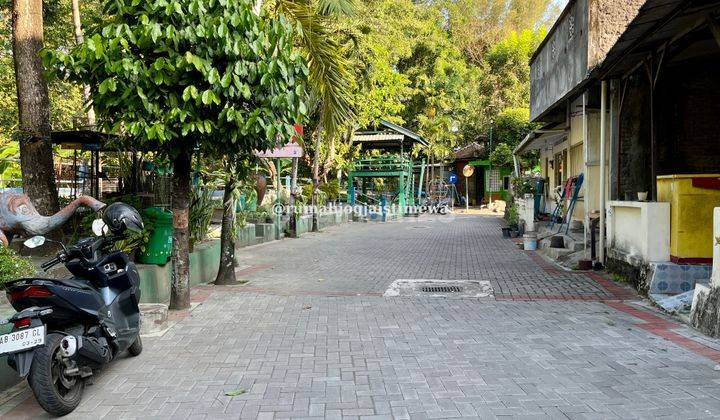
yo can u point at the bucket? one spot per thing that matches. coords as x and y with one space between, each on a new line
530 241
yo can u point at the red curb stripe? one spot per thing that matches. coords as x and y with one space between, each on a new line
609 285
618 292
662 328
589 298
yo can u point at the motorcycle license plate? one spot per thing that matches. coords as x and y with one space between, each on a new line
22 340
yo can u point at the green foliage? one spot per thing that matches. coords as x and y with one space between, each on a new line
13 266
502 155
10 169
493 20
66 102
307 192
331 189
329 78
522 185
135 240
175 74
512 125
512 215
259 216
202 208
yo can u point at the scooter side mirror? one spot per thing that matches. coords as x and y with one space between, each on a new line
34 242
99 227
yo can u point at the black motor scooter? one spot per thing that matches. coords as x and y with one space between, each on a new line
66 328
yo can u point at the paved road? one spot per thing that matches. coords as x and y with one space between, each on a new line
312 336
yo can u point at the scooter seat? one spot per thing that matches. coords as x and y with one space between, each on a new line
74 282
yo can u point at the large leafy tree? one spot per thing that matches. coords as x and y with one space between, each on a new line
176 75
409 71
477 25
66 101
329 78
33 100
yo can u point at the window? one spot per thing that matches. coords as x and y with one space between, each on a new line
493 182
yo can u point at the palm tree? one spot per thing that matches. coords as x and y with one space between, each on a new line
329 76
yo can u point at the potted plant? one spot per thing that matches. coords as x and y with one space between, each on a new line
512 218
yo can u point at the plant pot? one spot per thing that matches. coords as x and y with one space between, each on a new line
506 232
557 242
514 233
530 241
585 265
642 196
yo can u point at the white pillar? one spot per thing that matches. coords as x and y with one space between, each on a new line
715 279
603 122
586 201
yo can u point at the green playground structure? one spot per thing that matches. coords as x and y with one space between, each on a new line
391 178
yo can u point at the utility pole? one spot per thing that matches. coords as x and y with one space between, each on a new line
489 180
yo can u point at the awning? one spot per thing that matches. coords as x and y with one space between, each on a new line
539 140
87 140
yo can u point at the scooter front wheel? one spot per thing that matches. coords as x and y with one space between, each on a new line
57 393
136 347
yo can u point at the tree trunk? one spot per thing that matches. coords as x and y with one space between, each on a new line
79 39
36 157
316 180
226 272
329 159
270 165
293 198
293 181
180 296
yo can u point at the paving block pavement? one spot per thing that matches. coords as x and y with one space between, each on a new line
311 337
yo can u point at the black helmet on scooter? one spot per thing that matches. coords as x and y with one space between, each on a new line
120 217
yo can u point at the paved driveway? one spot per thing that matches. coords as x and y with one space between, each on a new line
312 336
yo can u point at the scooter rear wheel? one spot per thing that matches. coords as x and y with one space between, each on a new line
57 393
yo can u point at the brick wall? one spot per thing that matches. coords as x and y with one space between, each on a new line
689 118
687 124
634 131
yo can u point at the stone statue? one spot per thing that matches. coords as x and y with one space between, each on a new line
18 215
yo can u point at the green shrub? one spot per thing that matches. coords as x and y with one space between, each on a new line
135 240
202 207
307 191
523 185
331 189
512 215
13 266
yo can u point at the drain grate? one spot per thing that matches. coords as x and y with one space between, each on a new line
441 289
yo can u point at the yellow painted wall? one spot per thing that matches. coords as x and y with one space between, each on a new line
691 215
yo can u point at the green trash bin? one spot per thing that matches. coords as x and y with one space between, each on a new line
159 246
